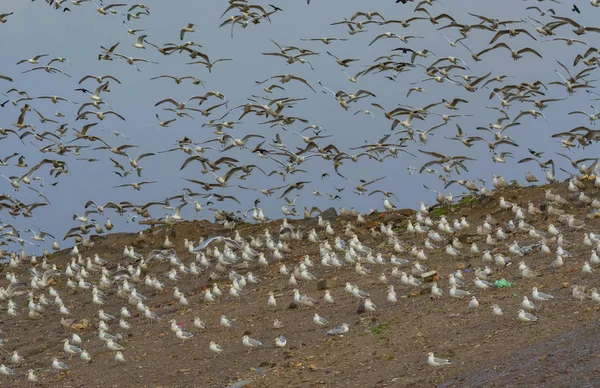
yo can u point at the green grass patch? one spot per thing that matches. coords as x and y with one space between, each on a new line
439 211
466 200
444 210
382 327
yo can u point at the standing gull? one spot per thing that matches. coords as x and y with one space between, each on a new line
70 349
6 371
320 321
540 296
215 348
31 377
526 317
250 343
183 335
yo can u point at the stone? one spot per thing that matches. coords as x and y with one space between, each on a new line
322 284
329 214
361 308
327 284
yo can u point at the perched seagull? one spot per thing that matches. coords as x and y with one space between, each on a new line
119 357
578 294
215 348
105 317
473 303
320 321
339 330
436 362
250 343
436 291
328 298
497 311
277 324
595 295
370 307
587 268
199 324
526 317
392 297
85 356
59 366
70 349
15 358
280 341
482 284
183 335
526 304
540 296
110 344
457 293
31 377
75 339
5 371
271 302
526 272
225 322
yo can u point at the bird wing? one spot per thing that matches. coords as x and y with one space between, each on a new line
304 82
529 50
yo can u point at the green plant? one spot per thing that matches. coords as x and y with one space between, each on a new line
382 327
466 200
439 211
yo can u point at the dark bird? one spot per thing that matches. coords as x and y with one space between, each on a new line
293 186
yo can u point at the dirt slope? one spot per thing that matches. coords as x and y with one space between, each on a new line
388 348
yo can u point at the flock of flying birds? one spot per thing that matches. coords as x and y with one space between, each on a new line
217 170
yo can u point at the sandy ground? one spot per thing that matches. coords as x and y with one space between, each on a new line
387 349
